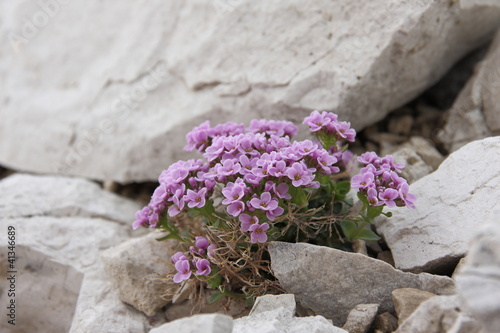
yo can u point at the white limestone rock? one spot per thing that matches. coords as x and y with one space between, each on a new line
206 323
115 99
67 235
45 292
453 202
23 195
331 282
276 314
476 112
138 269
440 314
360 318
478 281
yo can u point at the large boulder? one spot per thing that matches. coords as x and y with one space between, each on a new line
452 204
113 99
331 282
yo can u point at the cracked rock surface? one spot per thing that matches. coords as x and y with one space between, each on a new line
121 114
331 282
453 202
62 225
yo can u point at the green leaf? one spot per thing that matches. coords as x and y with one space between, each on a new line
169 236
323 180
343 188
363 198
215 280
194 212
348 228
216 297
299 196
373 212
368 235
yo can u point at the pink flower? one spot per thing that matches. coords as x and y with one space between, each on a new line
196 199
299 174
316 121
201 242
183 268
235 208
388 197
258 234
233 193
203 267
247 220
266 202
179 256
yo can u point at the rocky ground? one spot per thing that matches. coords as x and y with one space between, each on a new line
85 133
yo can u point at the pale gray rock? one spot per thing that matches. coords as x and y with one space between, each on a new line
206 323
453 202
68 236
45 293
23 195
441 314
360 318
476 112
423 148
272 302
415 167
119 109
275 314
407 300
331 282
478 281
100 309
138 269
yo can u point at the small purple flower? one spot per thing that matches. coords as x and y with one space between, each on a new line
227 168
388 196
266 202
282 191
142 217
196 199
316 121
179 256
272 214
247 220
203 267
235 208
372 197
299 174
279 169
364 180
201 242
368 157
177 207
183 268
211 251
344 131
233 192
198 137
258 234
408 198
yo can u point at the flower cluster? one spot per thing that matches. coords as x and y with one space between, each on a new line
255 168
201 253
255 184
380 183
327 124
